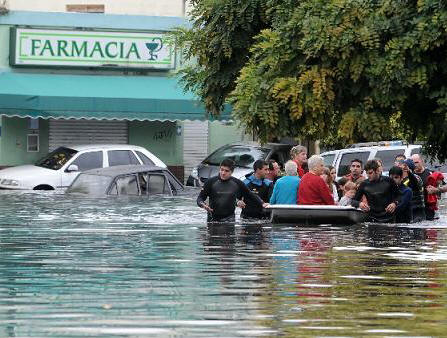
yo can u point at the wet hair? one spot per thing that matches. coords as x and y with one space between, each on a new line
395 171
357 160
259 164
270 163
399 157
372 164
229 163
291 168
296 150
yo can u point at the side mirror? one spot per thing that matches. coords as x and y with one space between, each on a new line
71 168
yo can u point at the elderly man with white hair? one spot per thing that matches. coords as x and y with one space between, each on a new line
313 190
285 190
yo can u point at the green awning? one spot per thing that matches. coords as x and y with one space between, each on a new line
98 97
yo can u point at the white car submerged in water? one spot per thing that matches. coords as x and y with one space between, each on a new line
60 167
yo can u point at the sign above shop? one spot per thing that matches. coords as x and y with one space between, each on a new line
65 48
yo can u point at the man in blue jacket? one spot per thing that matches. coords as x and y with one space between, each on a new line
259 185
404 212
285 190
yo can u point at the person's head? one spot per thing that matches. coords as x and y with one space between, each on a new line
350 189
356 167
342 181
333 172
399 157
409 164
396 174
273 169
291 168
316 164
327 176
299 154
260 168
379 161
418 162
372 170
226 169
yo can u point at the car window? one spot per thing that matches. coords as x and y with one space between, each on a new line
90 184
345 161
243 156
87 161
280 156
388 156
57 158
174 182
144 158
415 151
328 159
121 157
125 185
157 184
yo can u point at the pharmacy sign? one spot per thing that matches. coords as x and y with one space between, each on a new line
66 48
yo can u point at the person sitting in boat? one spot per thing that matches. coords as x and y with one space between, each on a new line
298 154
274 171
382 194
313 189
259 185
350 190
223 192
285 190
356 171
404 211
416 185
327 177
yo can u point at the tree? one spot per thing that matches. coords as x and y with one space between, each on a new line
340 71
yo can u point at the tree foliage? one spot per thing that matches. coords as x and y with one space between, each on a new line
336 70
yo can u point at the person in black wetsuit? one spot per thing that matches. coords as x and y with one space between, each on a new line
381 193
224 192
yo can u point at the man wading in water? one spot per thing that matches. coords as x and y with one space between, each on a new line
224 193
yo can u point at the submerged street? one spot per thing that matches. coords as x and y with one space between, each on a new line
129 267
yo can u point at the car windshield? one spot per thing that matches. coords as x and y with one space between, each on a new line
243 156
56 159
90 184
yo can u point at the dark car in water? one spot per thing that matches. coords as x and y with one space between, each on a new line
135 180
244 155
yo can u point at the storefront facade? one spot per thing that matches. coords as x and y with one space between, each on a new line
70 78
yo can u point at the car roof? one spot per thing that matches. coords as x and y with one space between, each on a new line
257 145
123 170
363 149
81 147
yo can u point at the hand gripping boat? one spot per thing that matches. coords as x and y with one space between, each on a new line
316 214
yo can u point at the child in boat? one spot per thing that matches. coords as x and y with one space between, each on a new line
350 189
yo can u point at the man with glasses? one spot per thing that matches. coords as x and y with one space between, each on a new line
355 169
382 194
424 173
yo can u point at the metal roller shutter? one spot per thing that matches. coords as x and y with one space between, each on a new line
73 132
195 144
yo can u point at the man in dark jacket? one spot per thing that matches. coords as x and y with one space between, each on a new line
404 211
381 194
224 192
259 185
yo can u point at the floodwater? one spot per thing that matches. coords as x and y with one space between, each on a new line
132 267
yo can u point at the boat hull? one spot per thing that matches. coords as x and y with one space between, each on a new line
316 214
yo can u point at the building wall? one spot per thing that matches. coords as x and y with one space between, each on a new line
223 133
160 138
13 146
132 7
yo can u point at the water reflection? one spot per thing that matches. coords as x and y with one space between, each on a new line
139 267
